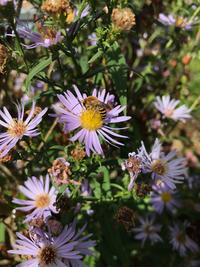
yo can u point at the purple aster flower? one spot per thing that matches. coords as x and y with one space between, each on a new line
163 197
91 122
180 241
148 230
167 20
65 250
46 36
179 22
18 127
167 168
41 197
168 108
86 190
4 2
84 12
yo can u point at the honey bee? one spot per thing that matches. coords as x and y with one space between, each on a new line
93 103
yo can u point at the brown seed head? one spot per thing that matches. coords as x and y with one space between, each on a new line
123 18
126 217
3 58
60 171
78 153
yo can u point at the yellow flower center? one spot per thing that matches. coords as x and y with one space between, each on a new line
159 167
91 120
180 22
17 129
42 201
166 197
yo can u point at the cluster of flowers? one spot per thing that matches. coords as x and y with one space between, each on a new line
48 243
89 118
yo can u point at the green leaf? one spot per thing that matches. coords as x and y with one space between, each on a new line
106 181
36 70
2 233
118 69
96 56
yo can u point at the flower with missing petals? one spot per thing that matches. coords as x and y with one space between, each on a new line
44 250
133 165
91 122
168 108
167 168
180 241
162 197
18 127
147 230
45 37
42 198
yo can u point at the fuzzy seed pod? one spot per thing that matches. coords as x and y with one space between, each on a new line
123 18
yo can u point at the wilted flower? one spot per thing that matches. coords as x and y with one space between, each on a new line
167 168
60 172
148 230
91 119
180 241
59 7
126 217
163 197
170 20
78 153
18 127
133 165
168 108
46 36
41 196
3 58
123 18
65 250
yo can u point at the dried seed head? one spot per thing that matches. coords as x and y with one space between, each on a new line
3 58
123 18
78 153
60 171
126 217
57 7
142 190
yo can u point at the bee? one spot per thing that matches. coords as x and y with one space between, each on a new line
93 103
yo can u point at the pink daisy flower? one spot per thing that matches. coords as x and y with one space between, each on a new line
16 128
89 123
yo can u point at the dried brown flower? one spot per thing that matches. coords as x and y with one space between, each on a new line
126 217
57 7
78 153
123 18
3 58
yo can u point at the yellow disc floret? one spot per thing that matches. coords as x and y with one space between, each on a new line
166 197
91 120
42 201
